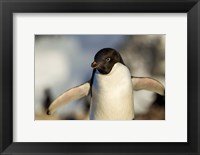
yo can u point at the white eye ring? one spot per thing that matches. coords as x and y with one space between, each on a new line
107 59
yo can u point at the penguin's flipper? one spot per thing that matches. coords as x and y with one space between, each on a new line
146 83
68 96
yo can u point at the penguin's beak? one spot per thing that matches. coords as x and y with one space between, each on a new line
94 65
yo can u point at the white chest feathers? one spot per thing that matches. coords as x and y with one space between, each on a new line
112 95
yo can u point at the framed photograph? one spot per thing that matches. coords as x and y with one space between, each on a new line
71 59
99 77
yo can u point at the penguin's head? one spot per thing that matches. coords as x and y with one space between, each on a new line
105 59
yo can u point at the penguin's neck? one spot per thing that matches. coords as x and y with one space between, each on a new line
117 75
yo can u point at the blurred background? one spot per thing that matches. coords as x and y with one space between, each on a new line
63 62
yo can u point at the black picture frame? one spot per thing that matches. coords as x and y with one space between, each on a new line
8 7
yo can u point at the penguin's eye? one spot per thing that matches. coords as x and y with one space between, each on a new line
107 59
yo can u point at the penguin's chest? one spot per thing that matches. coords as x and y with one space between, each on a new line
112 95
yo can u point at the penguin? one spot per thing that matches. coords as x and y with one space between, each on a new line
111 88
